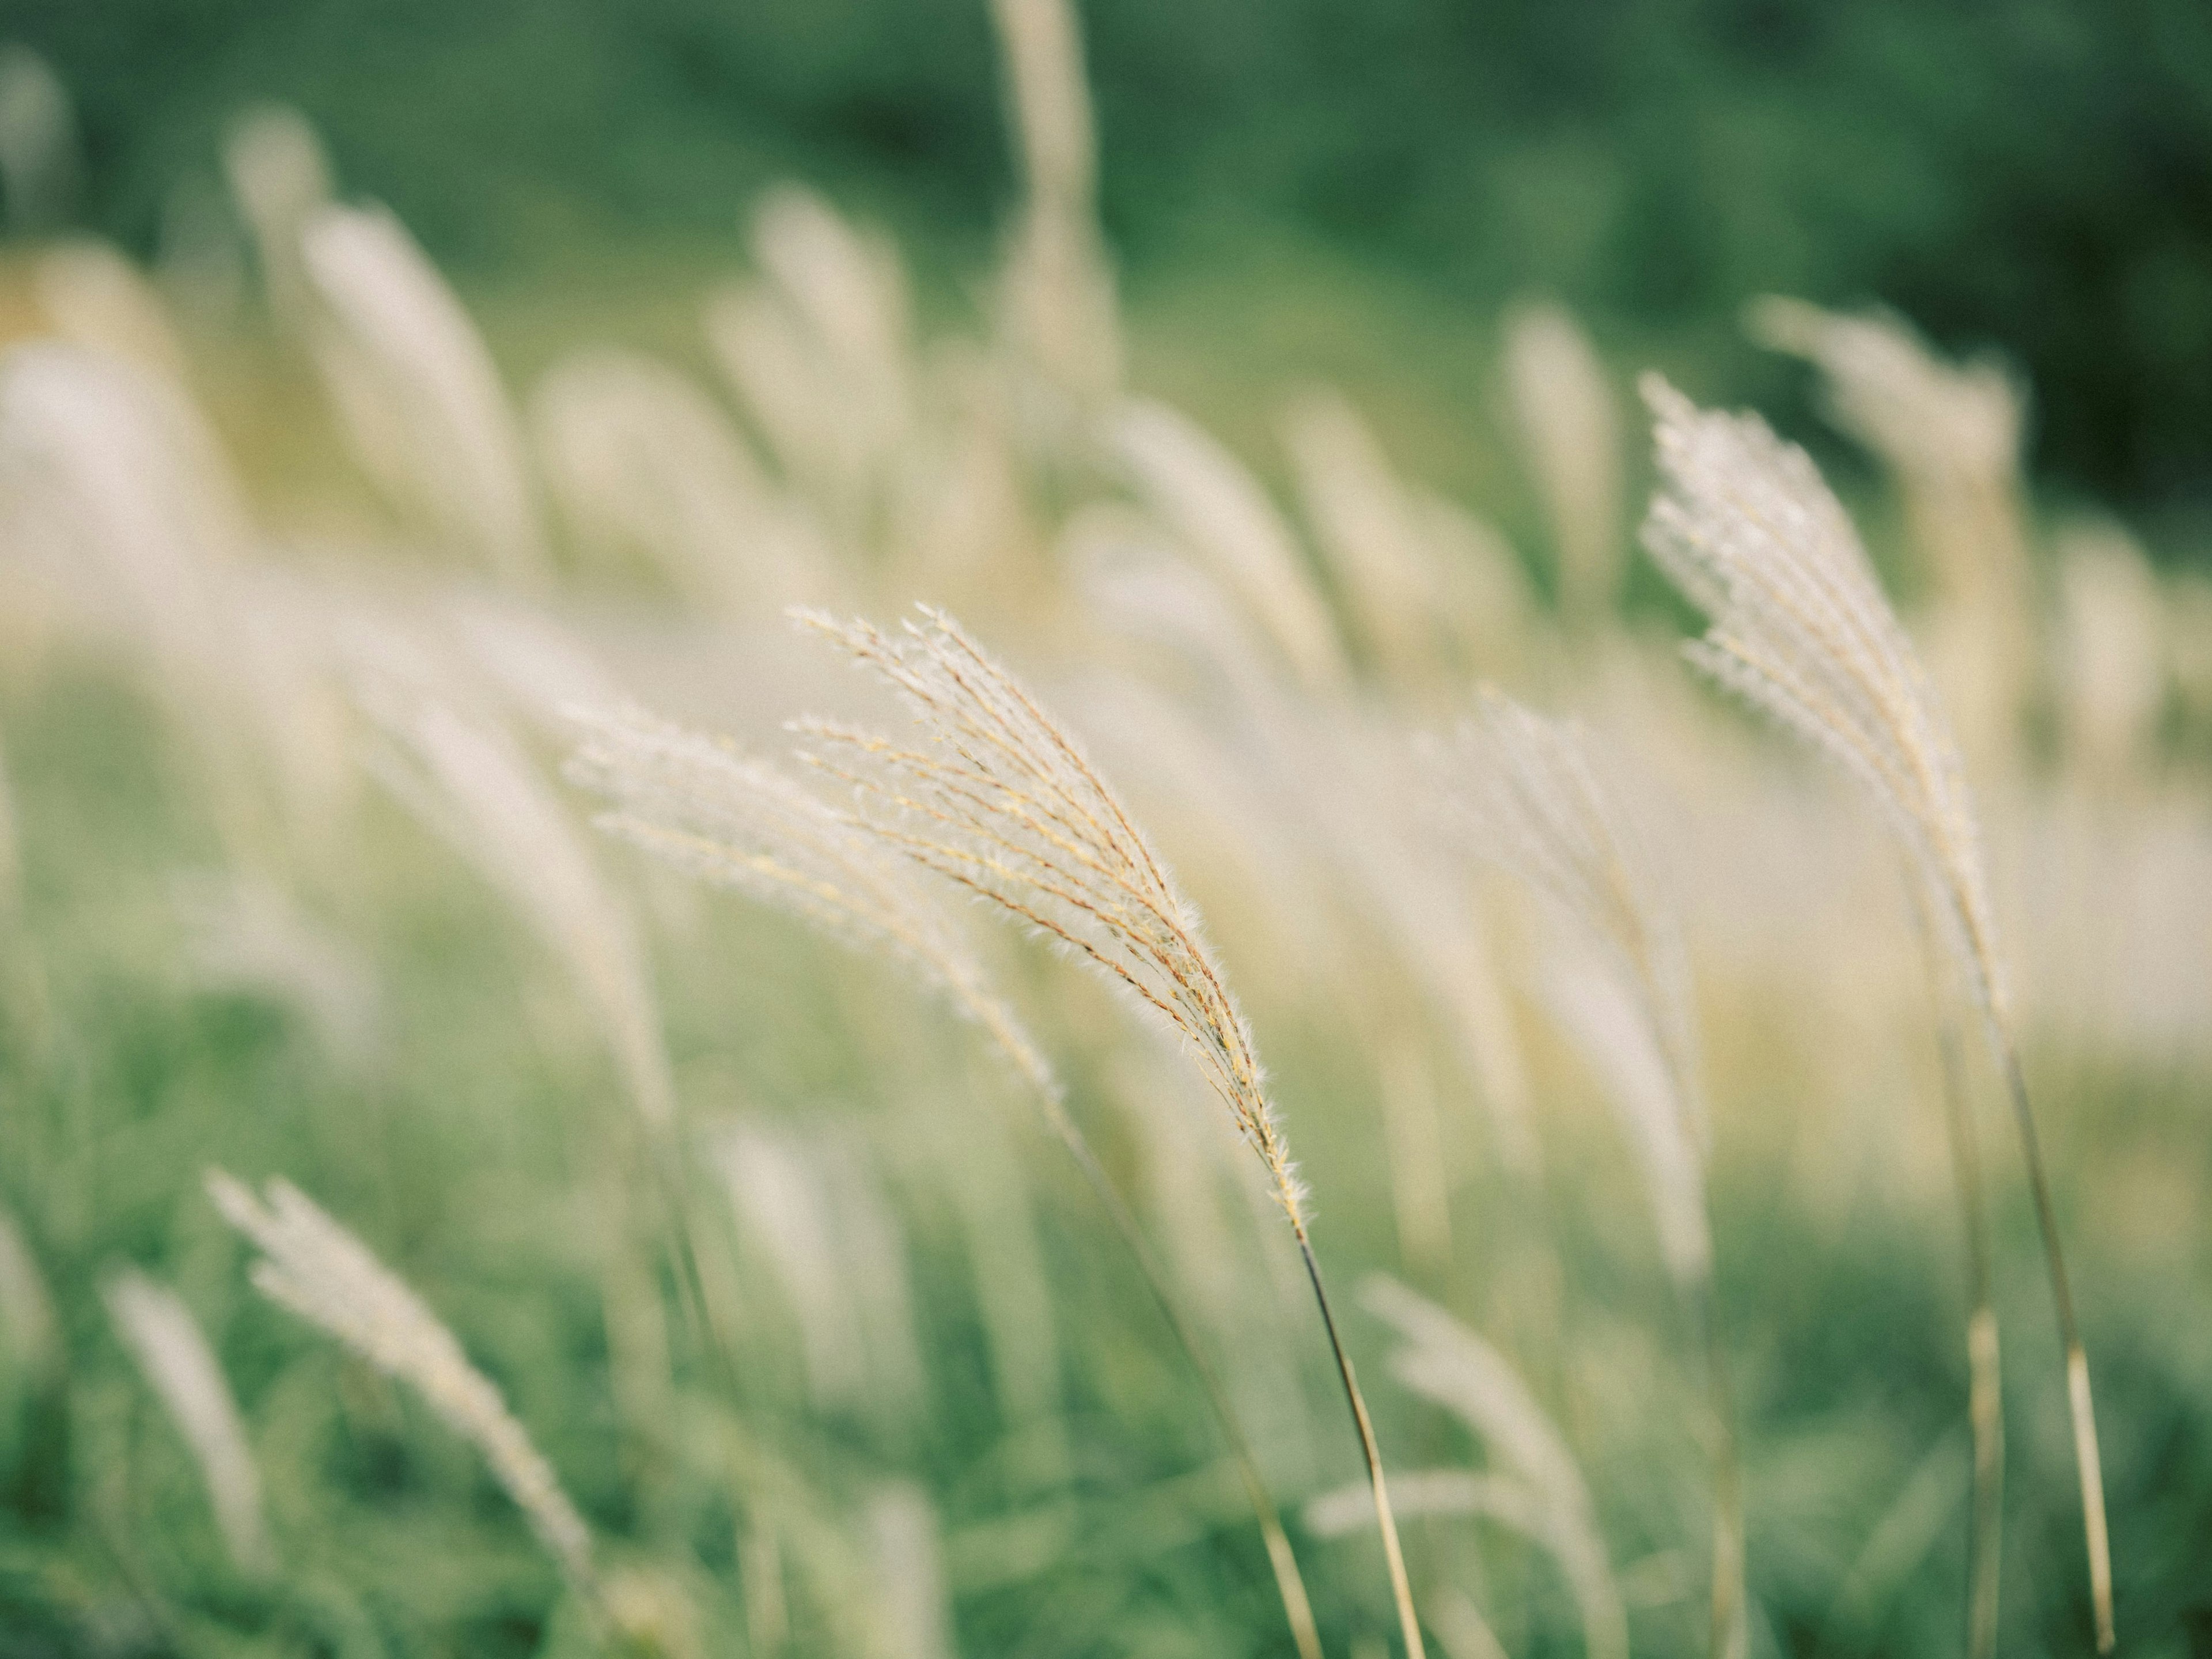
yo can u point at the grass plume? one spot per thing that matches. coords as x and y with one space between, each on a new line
1002 802
1799 627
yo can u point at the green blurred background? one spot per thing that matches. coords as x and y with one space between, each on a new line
2033 176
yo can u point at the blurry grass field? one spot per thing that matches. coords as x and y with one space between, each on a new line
864 1370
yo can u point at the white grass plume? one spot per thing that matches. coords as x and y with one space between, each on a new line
279 178
849 288
1218 511
1746 528
1001 801
1057 287
813 1202
243 934
737 821
1950 433
175 1358
1798 627
1619 983
107 471
641 459
322 1273
418 393
819 352
467 780
1524 784
2111 666
1373 534
1571 437
41 166
99 298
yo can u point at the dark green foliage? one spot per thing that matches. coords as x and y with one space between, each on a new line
2029 173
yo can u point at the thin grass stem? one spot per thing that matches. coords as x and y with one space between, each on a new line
1289 1583
1401 1590
2087 1460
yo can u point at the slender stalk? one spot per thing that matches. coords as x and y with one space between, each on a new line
1289 1583
1401 1588
2086 1461
1985 1393
1985 1379
1731 1629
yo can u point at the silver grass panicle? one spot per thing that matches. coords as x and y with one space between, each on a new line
41 167
279 179
1218 512
736 821
466 779
1534 1484
243 935
1622 989
1001 802
979 1167
104 469
2112 656
849 288
1375 537
418 393
1799 627
1434 921
819 352
1526 789
1485 587
816 1207
1950 435
641 460
322 1273
175 1358
95 296
1057 286
1570 438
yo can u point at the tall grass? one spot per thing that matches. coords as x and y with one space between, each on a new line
832 1369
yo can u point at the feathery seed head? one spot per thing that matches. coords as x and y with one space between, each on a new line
999 800
1527 790
166 1341
467 779
735 820
1799 627
318 1270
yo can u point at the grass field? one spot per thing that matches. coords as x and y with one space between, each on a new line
1623 1079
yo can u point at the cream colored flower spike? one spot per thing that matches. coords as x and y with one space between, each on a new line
1745 527
1000 800
329 1277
